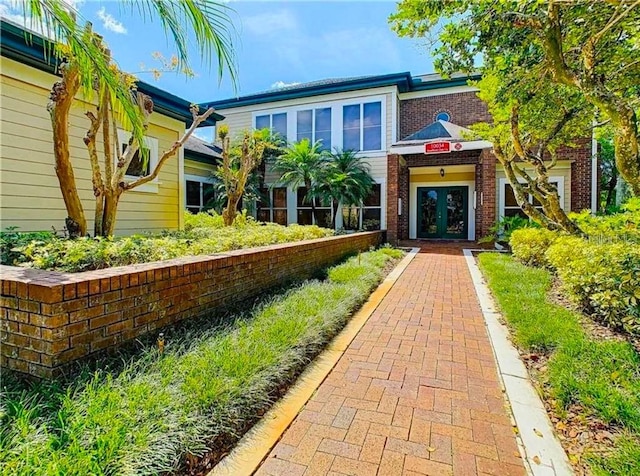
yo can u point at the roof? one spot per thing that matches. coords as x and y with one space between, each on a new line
201 151
403 81
441 130
33 50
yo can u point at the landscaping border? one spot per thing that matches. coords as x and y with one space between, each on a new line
542 452
50 319
255 446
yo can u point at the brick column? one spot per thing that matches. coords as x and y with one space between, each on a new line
393 166
403 193
580 175
486 193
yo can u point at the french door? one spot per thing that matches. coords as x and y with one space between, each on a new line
442 212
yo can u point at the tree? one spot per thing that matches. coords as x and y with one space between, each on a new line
239 161
87 67
302 164
589 48
345 180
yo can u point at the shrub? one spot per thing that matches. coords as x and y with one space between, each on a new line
11 240
204 234
603 278
502 229
530 244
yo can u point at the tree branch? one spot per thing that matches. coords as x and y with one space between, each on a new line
197 120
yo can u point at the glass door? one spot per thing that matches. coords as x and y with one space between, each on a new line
442 212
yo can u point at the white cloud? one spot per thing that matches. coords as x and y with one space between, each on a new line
110 23
270 23
282 84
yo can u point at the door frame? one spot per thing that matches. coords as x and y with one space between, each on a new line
441 211
471 205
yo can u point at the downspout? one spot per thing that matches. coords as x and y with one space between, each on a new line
594 172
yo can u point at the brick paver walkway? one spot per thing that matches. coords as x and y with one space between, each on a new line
416 392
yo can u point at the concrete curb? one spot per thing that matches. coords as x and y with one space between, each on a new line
541 450
255 446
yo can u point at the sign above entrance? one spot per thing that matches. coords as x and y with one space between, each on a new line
441 147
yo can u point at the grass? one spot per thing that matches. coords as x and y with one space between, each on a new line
603 377
207 387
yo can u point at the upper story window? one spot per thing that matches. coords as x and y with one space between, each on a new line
315 125
443 116
362 126
276 122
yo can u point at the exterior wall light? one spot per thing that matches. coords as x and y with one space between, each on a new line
441 172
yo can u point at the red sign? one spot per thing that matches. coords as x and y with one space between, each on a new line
437 147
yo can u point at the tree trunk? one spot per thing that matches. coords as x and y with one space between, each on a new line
231 210
111 200
60 100
611 186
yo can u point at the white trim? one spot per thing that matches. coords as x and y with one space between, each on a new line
503 181
438 92
418 148
394 117
336 118
194 178
150 143
413 205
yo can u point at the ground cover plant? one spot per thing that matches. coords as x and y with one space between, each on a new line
206 386
204 234
600 272
601 377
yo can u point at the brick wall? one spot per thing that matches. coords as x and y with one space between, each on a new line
580 174
464 109
50 319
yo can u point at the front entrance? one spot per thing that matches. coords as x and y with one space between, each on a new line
442 212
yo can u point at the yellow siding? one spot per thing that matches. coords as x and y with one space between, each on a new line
29 193
192 167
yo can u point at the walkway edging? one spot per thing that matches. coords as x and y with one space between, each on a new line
543 453
255 446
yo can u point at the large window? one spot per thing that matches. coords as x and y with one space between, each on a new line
366 217
509 205
362 126
305 214
315 125
200 194
276 122
274 208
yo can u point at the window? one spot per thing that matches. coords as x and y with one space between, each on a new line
143 162
274 208
362 126
368 216
276 122
305 214
443 116
315 125
200 194
509 205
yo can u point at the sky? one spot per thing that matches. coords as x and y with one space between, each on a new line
276 43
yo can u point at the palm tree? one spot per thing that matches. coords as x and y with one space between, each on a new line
345 180
87 67
302 163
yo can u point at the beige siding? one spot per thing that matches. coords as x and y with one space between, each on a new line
29 194
563 169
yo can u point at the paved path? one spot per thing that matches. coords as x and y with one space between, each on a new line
416 392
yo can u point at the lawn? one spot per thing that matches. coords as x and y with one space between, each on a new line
602 377
204 234
203 391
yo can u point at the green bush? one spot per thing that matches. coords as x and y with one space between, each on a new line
604 278
11 240
621 226
204 234
530 244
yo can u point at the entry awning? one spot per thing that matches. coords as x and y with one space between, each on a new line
440 137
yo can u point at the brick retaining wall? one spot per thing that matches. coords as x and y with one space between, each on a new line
50 319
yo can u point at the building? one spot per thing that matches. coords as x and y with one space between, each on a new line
432 181
30 198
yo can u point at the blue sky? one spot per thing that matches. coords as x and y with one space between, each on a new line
277 42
